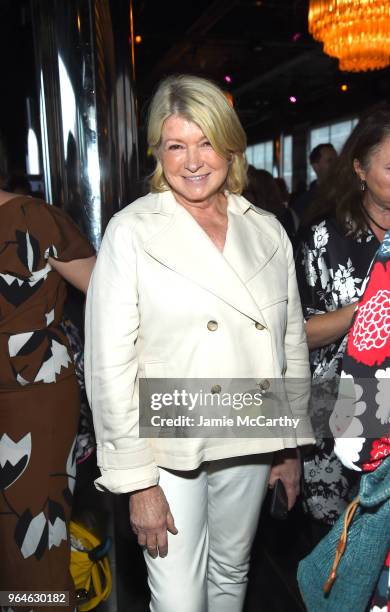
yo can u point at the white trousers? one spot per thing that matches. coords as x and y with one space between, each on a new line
216 510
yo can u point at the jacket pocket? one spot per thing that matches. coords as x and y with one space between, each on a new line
275 316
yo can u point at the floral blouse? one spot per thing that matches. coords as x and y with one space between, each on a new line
331 267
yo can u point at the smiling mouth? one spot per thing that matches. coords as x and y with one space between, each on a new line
196 179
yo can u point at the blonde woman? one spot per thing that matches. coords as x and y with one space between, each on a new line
192 282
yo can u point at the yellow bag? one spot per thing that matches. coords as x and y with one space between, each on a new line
89 566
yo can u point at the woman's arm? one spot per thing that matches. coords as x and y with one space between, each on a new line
111 364
323 329
125 460
76 272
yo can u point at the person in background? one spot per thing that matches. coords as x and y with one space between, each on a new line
322 158
263 191
40 249
192 281
284 192
290 213
332 261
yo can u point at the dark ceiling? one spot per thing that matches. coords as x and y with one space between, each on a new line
265 47
262 45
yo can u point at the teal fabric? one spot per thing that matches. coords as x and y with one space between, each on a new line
367 546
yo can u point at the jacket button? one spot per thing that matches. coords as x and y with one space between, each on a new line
216 389
212 325
264 384
259 326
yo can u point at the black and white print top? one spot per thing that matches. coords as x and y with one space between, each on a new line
331 267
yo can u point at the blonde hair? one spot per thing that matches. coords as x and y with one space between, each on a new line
200 101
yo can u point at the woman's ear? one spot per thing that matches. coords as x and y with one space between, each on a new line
359 170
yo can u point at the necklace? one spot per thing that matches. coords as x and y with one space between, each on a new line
365 212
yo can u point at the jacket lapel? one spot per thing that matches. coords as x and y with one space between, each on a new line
184 247
247 248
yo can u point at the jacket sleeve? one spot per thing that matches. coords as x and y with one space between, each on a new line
297 373
112 319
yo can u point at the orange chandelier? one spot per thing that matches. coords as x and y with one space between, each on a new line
357 32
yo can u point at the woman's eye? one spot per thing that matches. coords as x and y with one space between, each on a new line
174 147
206 143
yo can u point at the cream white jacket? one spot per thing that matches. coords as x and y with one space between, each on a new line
157 283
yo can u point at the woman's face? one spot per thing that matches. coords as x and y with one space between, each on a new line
377 176
193 170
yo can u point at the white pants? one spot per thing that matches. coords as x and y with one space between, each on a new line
216 510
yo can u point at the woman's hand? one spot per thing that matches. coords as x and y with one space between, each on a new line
323 329
150 519
76 272
287 467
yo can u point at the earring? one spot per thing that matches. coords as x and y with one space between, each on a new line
363 185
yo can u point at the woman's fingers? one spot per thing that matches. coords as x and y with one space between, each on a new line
292 493
141 538
162 543
288 469
151 544
155 542
171 523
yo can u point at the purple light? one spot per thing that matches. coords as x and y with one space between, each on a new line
292 99
296 36
227 78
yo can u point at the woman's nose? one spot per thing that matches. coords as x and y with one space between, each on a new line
193 159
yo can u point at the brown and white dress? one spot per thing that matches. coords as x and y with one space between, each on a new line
39 397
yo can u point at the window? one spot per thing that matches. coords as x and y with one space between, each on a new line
286 158
261 155
335 133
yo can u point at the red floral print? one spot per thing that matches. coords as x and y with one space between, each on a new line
379 450
369 339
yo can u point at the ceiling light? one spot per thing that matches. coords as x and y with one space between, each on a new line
138 39
357 32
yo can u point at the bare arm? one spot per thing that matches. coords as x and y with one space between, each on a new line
150 519
323 329
76 272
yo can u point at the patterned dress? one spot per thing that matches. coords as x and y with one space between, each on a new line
363 433
39 397
331 267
